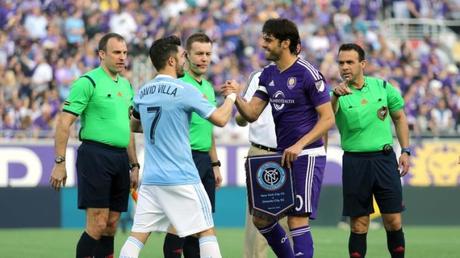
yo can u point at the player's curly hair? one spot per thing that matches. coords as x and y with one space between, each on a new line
283 29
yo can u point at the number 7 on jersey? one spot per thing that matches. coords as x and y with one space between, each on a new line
156 117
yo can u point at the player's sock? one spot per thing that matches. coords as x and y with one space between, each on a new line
131 248
105 247
172 246
86 246
191 247
209 247
278 240
396 243
357 245
303 242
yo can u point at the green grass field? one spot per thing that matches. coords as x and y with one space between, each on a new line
421 242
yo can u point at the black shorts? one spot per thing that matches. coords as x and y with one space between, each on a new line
103 176
203 164
367 174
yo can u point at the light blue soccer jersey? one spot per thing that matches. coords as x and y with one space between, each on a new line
165 106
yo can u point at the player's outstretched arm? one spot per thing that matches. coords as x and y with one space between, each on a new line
222 114
251 110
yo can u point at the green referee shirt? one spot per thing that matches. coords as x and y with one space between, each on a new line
200 128
104 107
363 117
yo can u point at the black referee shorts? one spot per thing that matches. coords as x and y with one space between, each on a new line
367 174
103 176
203 164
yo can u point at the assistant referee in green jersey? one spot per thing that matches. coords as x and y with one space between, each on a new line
198 58
102 98
364 108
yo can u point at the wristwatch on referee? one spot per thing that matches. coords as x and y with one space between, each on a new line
59 159
406 150
133 165
215 163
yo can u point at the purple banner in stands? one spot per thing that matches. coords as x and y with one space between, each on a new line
30 166
26 165
433 163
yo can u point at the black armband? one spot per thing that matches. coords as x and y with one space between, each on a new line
136 114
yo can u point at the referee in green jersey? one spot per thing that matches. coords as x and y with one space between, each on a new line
102 98
198 56
364 108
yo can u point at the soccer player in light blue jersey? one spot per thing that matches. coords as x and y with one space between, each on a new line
171 196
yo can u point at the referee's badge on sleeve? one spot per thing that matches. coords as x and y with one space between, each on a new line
382 113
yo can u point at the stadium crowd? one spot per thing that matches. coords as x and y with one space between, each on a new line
45 45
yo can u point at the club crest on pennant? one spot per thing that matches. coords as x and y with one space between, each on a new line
382 113
291 82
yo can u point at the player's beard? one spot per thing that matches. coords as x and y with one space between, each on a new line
180 70
271 55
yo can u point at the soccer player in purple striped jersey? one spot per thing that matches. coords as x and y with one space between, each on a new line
302 113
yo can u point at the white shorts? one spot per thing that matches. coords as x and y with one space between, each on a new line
185 207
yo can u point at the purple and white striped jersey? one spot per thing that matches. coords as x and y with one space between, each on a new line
293 94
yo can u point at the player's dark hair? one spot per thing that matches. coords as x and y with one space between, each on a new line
162 49
103 42
354 47
283 29
196 37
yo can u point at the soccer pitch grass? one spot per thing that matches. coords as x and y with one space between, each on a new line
421 242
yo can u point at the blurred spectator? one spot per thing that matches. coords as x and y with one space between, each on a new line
64 78
44 45
36 23
319 43
423 125
42 125
74 29
42 74
124 24
456 108
442 121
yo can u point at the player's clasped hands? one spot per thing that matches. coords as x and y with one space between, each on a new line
230 86
58 176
